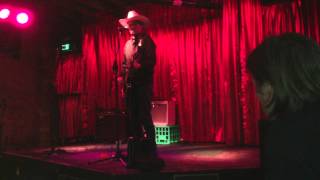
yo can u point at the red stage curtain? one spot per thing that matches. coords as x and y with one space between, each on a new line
201 57
69 80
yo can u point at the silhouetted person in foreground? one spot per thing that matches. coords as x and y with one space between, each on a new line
286 73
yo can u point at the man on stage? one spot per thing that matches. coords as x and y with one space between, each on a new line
138 66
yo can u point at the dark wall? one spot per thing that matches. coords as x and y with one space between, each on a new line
27 67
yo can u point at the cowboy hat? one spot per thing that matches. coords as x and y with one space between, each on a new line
134 16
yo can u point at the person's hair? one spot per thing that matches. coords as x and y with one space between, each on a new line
291 64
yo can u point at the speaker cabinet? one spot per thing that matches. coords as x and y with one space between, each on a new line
163 113
110 126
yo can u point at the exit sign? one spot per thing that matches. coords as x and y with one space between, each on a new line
66 47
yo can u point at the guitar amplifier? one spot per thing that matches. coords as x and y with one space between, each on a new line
110 126
163 113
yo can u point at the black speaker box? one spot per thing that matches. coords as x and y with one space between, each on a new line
110 126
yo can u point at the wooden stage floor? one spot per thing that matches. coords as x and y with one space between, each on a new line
182 162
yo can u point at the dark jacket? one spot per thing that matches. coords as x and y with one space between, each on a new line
291 145
141 50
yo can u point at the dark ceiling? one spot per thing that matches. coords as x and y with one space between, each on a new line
71 12
86 10
67 16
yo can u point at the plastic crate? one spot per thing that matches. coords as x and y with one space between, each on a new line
167 134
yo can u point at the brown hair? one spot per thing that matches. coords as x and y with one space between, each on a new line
291 64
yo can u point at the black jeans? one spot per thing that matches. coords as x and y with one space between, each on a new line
138 102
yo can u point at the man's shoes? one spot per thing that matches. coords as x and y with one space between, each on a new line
129 164
142 154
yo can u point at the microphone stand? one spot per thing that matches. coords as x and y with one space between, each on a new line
117 156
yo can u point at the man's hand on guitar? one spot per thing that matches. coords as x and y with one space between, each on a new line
120 79
125 66
136 65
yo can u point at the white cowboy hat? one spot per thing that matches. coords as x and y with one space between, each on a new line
134 16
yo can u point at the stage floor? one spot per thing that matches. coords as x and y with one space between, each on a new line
181 160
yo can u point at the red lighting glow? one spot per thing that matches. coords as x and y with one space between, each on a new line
22 18
4 13
17 16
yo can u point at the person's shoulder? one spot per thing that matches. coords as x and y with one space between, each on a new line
308 111
148 37
305 119
149 41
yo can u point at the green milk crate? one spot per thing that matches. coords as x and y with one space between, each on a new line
167 134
